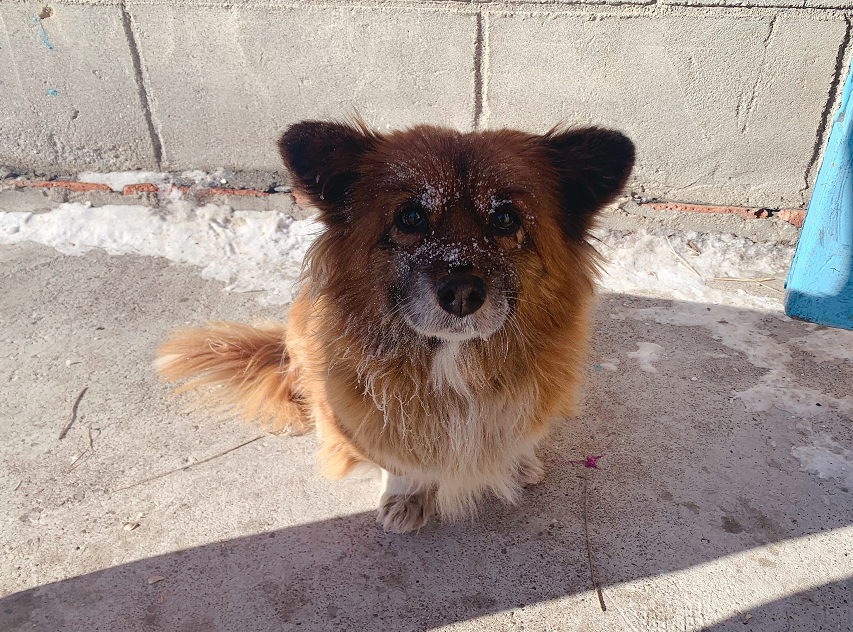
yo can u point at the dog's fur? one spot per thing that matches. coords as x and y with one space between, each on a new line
449 405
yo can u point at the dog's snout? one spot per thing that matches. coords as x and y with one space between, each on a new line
460 294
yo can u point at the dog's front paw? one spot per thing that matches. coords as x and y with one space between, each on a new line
530 470
402 513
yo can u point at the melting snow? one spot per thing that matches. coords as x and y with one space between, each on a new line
643 262
118 180
251 251
646 353
826 458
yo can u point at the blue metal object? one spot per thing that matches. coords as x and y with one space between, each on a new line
819 287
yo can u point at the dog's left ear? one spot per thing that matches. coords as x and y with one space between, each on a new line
593 165
323 160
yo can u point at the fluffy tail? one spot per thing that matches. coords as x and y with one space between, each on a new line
248 370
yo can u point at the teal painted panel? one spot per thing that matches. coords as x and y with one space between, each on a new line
819 287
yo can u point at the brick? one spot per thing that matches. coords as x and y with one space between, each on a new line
65 184
792 216
145 187
740 211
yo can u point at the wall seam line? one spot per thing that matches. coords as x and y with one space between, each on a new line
485 112
153 133
478 72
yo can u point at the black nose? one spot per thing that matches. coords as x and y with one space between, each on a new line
460 294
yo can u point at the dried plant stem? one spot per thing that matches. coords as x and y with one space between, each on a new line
186 467
687 265
90 448
75 461
595 583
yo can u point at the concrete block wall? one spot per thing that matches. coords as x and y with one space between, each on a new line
729 101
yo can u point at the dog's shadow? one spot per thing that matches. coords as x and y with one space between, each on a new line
687 474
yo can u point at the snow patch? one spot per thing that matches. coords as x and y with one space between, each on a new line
646 353
609 364
826 345
826 458
643 263
251 251
117 180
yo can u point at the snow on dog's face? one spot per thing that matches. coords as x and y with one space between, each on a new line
450 234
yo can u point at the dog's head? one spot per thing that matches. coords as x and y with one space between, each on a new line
451 233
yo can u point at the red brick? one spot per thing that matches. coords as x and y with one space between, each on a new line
792 216
740 211
130 189
244 192
67 184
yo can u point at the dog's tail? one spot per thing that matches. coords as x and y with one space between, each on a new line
247 369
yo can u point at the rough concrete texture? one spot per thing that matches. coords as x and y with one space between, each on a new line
721 107
223 83
43 200
630 216
703 514
69 97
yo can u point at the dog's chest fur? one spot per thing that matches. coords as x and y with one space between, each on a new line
450 416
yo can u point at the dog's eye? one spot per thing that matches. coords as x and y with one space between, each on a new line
411 218
504 220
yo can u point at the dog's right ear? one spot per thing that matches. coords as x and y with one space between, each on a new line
323 161
592 164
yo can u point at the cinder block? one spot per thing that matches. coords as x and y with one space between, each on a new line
724 110
68 93
224 82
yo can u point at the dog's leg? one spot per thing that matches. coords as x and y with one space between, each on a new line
530 470
404 505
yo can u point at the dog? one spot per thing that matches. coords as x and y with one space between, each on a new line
442 320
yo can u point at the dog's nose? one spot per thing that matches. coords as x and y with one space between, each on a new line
460 294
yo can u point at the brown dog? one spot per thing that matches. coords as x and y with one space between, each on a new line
443 318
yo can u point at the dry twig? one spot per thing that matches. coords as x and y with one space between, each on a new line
188 466
90 448
693 247
72 414
74 462
684 262
595 583
770 287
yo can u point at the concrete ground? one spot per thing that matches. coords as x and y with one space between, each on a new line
723 498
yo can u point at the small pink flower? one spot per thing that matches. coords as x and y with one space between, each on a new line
589 461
